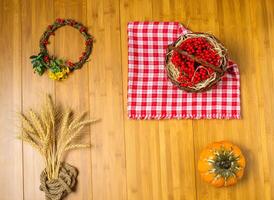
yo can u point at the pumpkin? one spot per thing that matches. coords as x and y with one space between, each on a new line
221 164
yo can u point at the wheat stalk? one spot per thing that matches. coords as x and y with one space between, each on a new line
52 132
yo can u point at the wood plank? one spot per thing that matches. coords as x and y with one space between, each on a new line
36 15
177 135
262 40
74 91
156 149
106 102
218 16
133 159
10 100
139 151
268 18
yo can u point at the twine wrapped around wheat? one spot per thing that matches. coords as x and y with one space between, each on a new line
52 132
219 71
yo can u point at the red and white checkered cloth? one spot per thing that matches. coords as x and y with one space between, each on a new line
152 96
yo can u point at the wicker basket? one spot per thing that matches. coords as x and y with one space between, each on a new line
214 78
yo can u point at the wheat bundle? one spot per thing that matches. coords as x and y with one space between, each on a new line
52 132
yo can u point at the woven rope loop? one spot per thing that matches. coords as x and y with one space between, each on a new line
57 189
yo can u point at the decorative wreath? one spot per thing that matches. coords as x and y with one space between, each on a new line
59 68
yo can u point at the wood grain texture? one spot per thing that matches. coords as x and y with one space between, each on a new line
106 102
35 17
130 159
69 43
11 172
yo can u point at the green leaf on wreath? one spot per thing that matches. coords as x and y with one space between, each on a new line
40 69
38 63
32 57
58 61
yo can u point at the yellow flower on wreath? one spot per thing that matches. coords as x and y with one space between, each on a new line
60 75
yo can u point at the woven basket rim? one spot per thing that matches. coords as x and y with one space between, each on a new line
218 74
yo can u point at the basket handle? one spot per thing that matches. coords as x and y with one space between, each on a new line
171 47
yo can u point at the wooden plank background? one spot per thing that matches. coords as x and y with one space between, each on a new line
129 159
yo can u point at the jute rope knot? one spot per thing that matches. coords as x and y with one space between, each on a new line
56 189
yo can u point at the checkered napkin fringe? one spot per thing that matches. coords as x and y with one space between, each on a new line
152 96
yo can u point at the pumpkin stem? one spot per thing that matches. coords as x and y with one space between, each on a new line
225 163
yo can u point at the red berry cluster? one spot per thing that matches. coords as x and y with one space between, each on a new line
83 29
192 72
72 22
50 27
82 56
60 21
46 59
69 63
89 42
45 42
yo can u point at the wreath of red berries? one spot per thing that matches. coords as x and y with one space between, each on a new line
59 68
196 62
